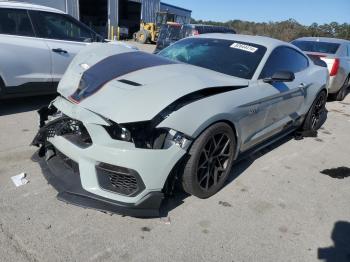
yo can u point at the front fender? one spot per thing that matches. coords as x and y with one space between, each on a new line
195 118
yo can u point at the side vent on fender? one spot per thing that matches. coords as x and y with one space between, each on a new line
128 82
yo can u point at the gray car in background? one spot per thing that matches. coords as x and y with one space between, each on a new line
336 54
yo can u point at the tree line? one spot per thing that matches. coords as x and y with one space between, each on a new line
286 30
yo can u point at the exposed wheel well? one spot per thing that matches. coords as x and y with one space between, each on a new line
2 83
176 173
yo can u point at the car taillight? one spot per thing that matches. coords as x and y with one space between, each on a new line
195 32
335 67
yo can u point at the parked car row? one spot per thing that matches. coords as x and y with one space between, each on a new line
128 125
31 33
173 32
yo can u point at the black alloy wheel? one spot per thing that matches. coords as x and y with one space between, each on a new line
210 162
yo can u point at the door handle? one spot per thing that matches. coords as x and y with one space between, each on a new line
60 51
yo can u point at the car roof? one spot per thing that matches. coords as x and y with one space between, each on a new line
324 39
268 42
209 25
27 6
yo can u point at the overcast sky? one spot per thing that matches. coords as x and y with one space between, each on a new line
304 11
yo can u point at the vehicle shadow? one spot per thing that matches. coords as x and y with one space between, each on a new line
24 104
340 251
332 99
238 169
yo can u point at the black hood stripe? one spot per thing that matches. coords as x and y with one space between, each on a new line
113 67
191 98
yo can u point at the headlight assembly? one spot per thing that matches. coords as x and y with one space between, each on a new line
177 138
119 133
144 136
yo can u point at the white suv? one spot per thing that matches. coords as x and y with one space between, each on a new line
37 44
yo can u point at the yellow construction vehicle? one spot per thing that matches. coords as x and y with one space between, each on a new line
149 32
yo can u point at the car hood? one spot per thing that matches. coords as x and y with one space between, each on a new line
131 86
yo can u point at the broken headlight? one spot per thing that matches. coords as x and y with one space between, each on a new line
143 135
119 133
177 138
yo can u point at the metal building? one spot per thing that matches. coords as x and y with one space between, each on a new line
108 16
182 15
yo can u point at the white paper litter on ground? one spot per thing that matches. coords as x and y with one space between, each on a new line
165 220
20 180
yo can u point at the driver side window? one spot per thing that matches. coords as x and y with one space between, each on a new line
284 59
61 27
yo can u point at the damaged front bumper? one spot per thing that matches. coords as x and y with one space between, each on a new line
90 169
66 180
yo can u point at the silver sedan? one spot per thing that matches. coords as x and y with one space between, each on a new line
336 54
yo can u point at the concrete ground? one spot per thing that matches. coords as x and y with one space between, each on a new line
277 206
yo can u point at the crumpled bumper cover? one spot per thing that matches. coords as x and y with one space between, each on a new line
63 174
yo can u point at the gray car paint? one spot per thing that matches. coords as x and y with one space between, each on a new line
257 111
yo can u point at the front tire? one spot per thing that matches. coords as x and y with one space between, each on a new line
210 161
316 115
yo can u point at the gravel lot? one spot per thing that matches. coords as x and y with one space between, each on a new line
277 206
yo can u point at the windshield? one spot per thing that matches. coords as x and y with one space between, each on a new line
229 57
318 47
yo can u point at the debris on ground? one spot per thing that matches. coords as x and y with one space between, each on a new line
145 229
20 180
225 204
165 220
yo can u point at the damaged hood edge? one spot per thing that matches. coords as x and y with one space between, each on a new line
139 91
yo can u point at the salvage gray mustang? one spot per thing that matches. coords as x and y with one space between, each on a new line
127 125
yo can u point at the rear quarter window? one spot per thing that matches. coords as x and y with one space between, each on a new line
317 47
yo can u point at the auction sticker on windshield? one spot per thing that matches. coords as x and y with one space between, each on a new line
243 47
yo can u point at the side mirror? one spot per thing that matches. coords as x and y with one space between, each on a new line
281 76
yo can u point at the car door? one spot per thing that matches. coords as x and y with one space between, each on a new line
281 102
25 63
64 36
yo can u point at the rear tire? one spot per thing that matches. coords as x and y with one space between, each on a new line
210 161
340 96
2 87
314 118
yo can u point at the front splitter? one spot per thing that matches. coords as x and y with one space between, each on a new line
66 180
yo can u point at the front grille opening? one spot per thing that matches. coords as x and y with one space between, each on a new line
124 183
120 180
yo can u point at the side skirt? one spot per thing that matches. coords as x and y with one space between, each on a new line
266 143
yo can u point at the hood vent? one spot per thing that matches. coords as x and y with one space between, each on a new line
128 82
